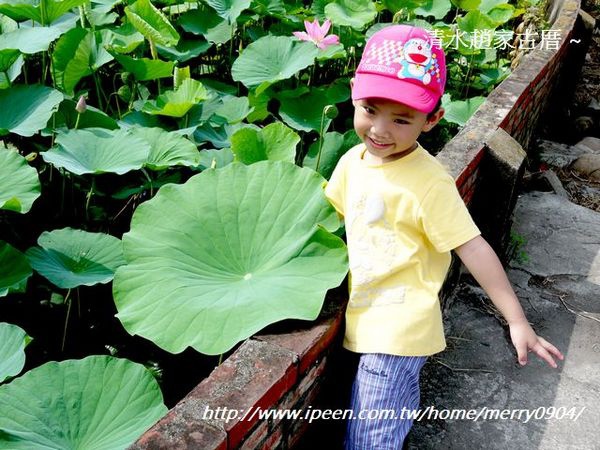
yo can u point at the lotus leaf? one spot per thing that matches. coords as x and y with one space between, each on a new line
42 11
229 9
14 271
77 54
11 74
460 111
144 69
332 150
215 260
475 20
220 158
271 59
501 13
167 149
233 109
275 142
13 341
71 258
92 117
96 150
30 40
486 5
353 13
178 102
124 39
396 5
206 22
24 110
305 112
152 23
8 57
19 182
99 14
436 8
185 50
96 403
218 136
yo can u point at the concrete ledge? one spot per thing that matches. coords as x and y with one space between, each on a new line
284 370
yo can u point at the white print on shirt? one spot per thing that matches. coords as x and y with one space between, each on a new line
375 249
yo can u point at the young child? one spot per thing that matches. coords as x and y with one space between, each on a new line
403 216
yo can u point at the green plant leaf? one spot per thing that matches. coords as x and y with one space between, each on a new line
7 58
25 109
11 74
30 40
331 152
220 158
76 55
275 142
99 14
41 11
436 8
124 39
178 102
19 182
304 112
396 5
14 272
13 341
144 69
214 260
467 5
486 5
167 149
501 14
352 13
96 403
206 22
475 20
96 150
229 9
70 258
260 106
271 59
233 109
218 136
185 50
66 116
460 111
152 23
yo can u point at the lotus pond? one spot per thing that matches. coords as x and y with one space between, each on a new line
161 188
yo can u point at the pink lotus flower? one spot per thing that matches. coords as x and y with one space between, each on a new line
316 33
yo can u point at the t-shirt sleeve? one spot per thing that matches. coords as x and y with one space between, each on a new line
336 187
445 217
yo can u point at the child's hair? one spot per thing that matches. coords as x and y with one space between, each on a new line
402 63
438 105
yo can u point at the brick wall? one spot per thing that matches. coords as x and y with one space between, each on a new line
286 370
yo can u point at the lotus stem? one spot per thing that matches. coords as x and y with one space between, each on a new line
68 302
149 181
320 139
220 359
97 90
77 120
89 197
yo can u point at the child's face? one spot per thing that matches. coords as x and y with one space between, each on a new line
390 129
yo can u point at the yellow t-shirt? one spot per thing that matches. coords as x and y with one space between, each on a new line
402 219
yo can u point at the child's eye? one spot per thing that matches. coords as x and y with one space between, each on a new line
369 110
401 121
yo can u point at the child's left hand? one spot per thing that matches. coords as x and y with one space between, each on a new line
524 339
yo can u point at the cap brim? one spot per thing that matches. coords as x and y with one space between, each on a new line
369 85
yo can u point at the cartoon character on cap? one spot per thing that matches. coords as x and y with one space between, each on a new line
416 60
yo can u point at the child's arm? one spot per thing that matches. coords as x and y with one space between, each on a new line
484 265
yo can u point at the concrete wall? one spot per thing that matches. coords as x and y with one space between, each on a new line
286 370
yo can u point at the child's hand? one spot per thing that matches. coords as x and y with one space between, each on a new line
524 339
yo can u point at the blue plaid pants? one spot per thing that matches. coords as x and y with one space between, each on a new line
383 383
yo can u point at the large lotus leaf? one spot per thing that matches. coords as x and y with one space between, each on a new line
178 102
152 23
67 116
96 150
501 13
229 9
96 403
215 159
124 39
232 110
271 59
30 40
206 22
219 137
8 56
353 13
19 182
214 260
396 5
467 5
460 111
42 11
77 54
486 5
185 50
436 8
275 142
14 270
475 20
167 149
332 148
25 109
305 112
71 258
9 75
13 341
98 13
144 69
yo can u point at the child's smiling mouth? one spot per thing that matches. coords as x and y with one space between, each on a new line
377 144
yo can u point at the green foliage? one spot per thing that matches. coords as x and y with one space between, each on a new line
13 341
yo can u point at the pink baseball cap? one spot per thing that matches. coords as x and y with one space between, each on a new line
402 63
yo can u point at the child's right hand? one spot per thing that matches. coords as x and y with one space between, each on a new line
525 340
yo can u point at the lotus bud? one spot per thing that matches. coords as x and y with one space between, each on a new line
125 93
81 105
31 156
125 77
330 111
